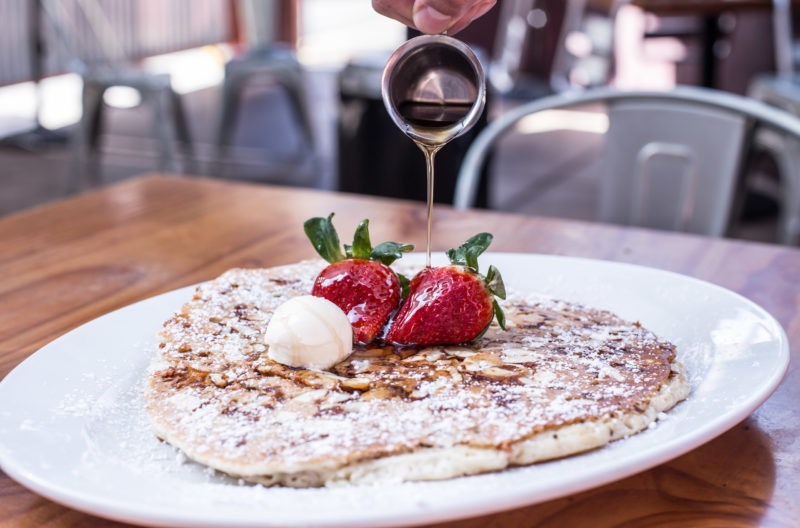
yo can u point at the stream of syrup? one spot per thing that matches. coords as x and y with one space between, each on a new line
440 122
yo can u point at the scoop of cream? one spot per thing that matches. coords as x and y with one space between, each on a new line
309 332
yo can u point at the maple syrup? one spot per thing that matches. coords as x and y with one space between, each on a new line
434 115
434 89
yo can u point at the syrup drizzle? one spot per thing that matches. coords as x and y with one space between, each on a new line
430 154
438 123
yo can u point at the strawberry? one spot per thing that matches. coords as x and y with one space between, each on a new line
359 281
452 304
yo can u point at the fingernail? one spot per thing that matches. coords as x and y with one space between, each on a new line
429 20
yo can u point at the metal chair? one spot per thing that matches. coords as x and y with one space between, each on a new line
265 59
784 94
98 56
672 160
782 90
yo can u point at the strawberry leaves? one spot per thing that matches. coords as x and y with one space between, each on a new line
499 314
494 282
361 247
467 255
388 252
323 237
405 285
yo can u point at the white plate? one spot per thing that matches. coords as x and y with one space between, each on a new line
73 428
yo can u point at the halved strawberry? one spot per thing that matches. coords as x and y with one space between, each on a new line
359 281
451 304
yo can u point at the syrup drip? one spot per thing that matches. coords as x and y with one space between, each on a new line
430 154
440 122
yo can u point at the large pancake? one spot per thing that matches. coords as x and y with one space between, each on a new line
563 379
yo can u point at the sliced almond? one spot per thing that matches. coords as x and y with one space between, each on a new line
218 379
460 352
359 384
312 396
434 355
269 368
498 372
380 393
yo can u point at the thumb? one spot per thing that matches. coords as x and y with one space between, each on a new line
429 20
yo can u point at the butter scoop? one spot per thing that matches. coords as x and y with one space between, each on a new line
309 332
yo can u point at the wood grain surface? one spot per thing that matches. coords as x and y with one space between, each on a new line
66 263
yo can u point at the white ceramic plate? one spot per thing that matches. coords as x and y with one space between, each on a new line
73 427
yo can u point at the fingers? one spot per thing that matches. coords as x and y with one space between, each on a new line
434 16
400 10
474 13
429 19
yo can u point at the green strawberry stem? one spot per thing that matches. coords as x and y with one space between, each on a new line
361 247
405 285
323 237
494 282
498 312
388 252
467 255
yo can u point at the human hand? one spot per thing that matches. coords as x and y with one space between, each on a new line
434 16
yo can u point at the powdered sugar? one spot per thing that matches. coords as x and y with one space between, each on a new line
229 405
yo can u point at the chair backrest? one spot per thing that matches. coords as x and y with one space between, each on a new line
672 160
661 170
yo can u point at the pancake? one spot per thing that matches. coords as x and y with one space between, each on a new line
562 379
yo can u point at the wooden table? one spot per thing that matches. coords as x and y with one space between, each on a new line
66 263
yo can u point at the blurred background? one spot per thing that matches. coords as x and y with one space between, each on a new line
288 92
